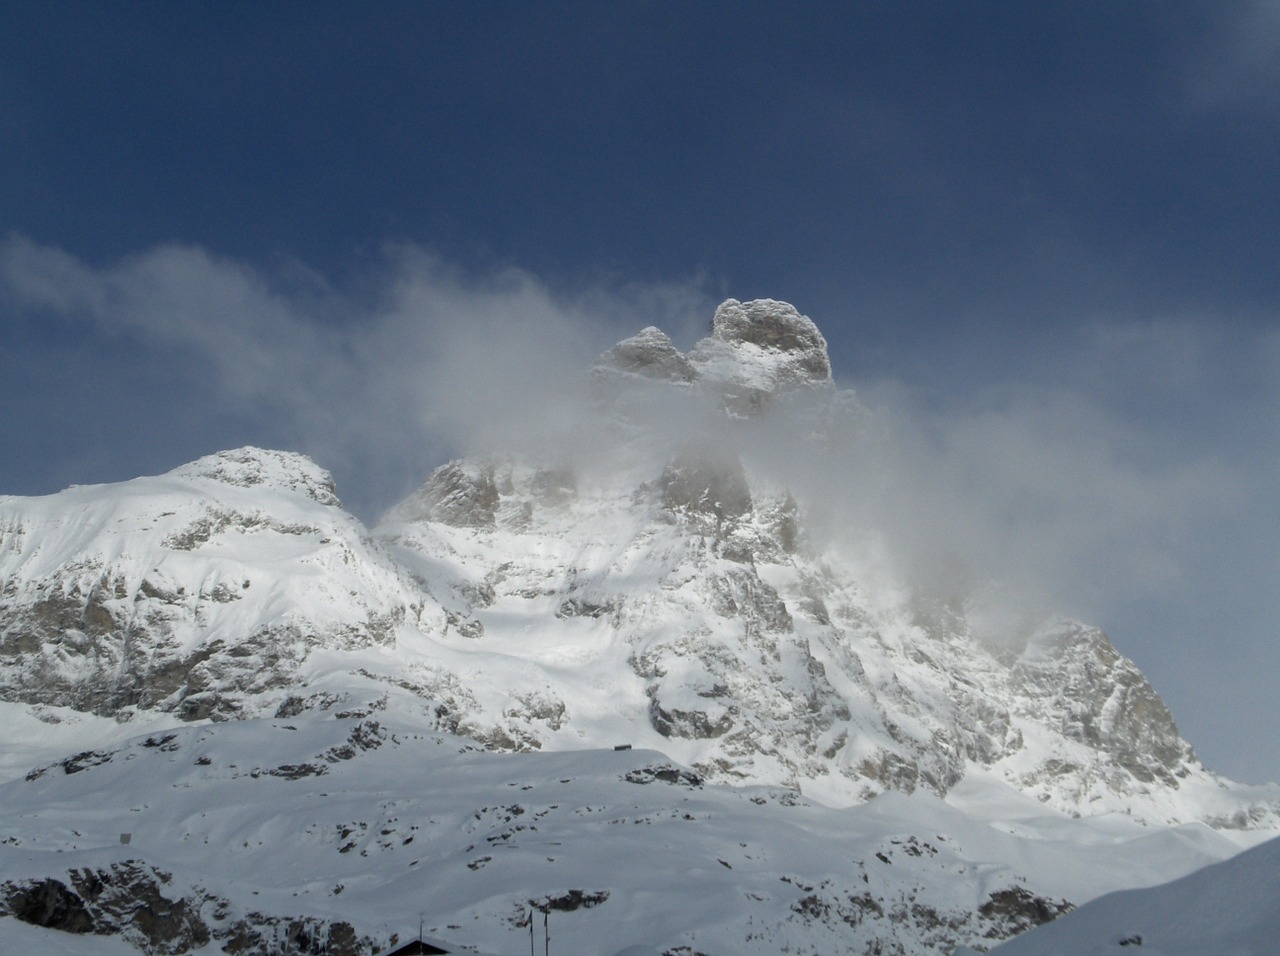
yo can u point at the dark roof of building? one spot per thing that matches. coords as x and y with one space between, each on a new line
414 948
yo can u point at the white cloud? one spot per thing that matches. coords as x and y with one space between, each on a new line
424 361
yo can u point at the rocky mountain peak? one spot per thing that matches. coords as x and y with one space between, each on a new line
460 493
649 354
773 326
191 593
763 345
755 350
251 467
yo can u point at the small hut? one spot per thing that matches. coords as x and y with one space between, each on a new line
415 948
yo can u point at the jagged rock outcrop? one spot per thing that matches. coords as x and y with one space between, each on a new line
764 345
710 494
125 897
648 354
140 904
1102 700
756 351
459 493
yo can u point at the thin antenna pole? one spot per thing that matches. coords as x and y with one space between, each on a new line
531 953
546 932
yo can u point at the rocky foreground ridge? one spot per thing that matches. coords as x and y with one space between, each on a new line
663 589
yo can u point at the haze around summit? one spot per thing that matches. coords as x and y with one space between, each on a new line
1038 242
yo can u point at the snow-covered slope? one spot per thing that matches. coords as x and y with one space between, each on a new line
264 834
1228 909
670 582
198 592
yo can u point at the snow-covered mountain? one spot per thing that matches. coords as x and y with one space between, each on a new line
669 581
198 592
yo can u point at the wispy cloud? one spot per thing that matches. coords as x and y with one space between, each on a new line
1239 61
1064 486
422 361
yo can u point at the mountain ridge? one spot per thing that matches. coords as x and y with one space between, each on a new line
662 586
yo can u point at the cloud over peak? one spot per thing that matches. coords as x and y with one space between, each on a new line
1127 476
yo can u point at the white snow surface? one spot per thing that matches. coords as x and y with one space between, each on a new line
1227 909
373 820
21 938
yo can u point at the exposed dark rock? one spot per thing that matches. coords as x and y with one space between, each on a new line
128 897
138 902
366 735
691 724
292 771
790 350
1017 909
699 488
259 934
571 900
455 494
47 903
770 324
76 763
664 773
585 607
743 594
546 708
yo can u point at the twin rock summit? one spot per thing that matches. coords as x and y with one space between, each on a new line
666 592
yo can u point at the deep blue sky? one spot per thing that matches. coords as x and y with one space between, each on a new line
948 158
1039 231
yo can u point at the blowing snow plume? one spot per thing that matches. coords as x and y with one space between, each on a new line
753 408
756 397
714 561
419 361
